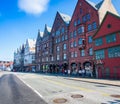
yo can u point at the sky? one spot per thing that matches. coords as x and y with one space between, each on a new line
21 19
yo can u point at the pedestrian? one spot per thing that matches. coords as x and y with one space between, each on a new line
68 72
83 72
80 72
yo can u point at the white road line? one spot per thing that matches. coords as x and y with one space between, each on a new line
31 88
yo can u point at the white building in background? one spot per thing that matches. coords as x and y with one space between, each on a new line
17 59
29 55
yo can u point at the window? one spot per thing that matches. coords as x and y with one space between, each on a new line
53 34
74 34
75 44
80 10
100 54
94 25
71 35
58 48
63 38
75 23
89 27
58 40
62 30
91 51
58 57
75 54
80 41
84 19
66 37
82 52
78 21
65 46
71 44
114 52
111 38
46 58
98 42
80 30
65 56
72 54
52 59
88 17
90 39
57 33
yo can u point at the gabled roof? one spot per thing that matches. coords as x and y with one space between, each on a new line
66 18
92 4
99 4
108 13
47 31
48 28
31 42
40 35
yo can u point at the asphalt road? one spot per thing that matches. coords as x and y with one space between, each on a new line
14 91
54 88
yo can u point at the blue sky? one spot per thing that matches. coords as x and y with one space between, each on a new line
21 19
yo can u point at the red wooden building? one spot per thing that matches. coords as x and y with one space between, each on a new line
60 44
83 25
107 47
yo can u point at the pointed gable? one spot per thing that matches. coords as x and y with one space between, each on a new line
47 31
105 6
60 19
31 42
66 18
110 24
39 36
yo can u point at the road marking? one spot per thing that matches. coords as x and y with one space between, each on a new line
31 88
76 87
70 86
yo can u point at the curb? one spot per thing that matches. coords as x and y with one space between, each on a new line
92 82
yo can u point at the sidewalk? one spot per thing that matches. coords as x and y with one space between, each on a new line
98 81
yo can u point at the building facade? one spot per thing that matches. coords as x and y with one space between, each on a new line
45 48
29 55
84 23
60 42
6 65
107 47
38 52
17 60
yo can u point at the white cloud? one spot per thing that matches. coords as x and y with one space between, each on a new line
33 6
